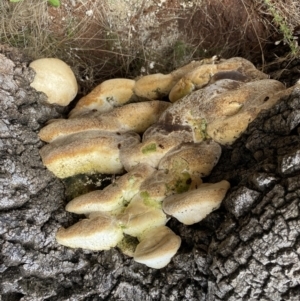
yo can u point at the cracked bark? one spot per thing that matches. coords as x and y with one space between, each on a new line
247 250
255 252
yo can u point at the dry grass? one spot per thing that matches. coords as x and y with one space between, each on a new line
88 44
285 16
97 49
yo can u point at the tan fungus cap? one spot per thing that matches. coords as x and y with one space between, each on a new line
135 117
154 86
198 159
229 122
104 97
141 215
89 152
153 148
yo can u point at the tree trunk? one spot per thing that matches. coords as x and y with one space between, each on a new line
247 250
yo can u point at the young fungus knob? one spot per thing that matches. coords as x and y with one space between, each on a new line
56 79
156 248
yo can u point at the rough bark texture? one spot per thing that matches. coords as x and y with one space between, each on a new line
255 252
247 250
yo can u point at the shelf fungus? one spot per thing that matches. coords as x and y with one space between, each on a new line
106 96
162 149
192 206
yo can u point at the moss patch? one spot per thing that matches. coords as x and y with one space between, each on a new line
150 148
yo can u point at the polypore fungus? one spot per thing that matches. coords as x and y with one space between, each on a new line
56 79
239 70
141 215
91 152
112 197
136 117
180 145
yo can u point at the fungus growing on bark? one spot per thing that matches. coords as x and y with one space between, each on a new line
91 152
113 196
193 206
239 70
136 117
180 145
141 215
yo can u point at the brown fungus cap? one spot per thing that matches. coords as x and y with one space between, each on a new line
157 247
193 206
104 97
56 79
239 69
89 152
154 86
101 232
135 117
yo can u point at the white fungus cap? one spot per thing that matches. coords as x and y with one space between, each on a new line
192 206
98 233
157 247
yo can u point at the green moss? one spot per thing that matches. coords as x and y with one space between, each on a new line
128 245
82 183
150 148
181 184
145 195
148 201
200 129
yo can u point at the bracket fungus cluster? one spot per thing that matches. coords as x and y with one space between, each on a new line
161 148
